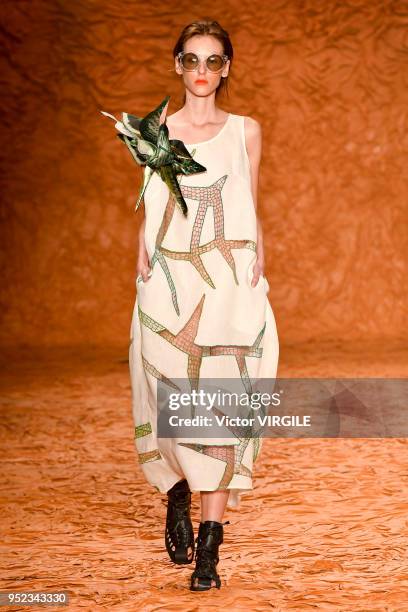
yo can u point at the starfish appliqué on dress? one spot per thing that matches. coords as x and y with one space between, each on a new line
232 455
209 197
184 341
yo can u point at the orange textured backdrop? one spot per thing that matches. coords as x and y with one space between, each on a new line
327 80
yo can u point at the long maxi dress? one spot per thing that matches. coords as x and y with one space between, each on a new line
197 315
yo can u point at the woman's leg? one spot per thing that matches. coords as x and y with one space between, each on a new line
213 505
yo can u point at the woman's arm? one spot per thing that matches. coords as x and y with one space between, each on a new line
143 264
253 140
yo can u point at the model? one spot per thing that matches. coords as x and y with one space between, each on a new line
201 309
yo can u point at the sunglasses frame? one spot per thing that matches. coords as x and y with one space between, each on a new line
181 54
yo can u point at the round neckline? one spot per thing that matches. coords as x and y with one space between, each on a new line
194 144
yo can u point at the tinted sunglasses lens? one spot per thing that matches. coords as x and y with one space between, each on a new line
215 63
189 61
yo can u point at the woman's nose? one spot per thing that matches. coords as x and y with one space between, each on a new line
202 66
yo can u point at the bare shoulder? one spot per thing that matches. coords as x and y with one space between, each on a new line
253 139
253 129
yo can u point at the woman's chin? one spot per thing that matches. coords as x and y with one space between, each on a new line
201 90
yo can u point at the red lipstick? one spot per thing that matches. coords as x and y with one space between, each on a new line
201 81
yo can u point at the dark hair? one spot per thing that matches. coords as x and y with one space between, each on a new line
203 27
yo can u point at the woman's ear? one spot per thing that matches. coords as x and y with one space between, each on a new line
226 69
177 67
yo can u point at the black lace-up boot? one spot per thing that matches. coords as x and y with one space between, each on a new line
179 535
210 536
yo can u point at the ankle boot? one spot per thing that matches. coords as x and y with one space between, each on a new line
179 534
210 536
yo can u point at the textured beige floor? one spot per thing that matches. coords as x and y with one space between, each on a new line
324 529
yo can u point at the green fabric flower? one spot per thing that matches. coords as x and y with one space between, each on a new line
148 142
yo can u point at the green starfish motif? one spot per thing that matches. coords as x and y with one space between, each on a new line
143 430
155 372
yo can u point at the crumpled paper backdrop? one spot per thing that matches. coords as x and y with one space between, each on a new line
328 82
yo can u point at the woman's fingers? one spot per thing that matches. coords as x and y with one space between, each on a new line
145 275
143 272
255 280
257 272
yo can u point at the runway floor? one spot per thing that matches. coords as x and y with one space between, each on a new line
325 527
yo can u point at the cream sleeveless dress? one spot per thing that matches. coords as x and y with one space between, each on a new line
198 316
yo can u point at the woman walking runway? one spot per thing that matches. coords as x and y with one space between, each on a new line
201 309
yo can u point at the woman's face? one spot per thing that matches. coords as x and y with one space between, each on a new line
202 82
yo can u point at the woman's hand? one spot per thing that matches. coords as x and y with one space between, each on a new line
143 267
259 265
257 270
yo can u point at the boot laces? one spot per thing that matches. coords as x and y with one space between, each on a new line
207 558
206 563
182 521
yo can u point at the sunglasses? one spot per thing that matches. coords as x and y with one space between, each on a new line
190 61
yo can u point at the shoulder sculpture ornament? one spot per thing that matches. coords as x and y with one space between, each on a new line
149 144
